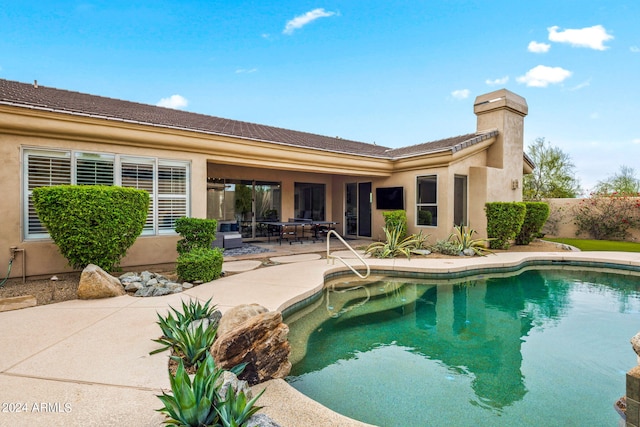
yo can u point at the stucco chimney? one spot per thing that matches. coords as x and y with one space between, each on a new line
505 111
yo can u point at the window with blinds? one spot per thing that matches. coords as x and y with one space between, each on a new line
138 173
166 181
94 169
43 169
172 194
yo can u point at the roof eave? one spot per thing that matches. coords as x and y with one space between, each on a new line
453 149
185 129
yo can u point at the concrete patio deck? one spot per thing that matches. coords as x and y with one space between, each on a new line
87 362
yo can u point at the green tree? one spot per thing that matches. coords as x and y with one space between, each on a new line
553 176
622 183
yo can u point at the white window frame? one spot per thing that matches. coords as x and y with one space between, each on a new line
118 160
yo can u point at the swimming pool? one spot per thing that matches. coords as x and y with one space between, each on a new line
544 346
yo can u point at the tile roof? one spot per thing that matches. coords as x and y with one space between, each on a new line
453 144
67 102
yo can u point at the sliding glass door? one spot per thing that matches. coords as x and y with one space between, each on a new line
244 201
357 214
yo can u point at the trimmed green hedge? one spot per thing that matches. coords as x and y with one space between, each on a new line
535 217
196 233
92 224
504 220
394 218
200 264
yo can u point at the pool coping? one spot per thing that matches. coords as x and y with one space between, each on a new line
94 354
318 272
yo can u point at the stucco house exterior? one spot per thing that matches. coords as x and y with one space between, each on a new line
203 166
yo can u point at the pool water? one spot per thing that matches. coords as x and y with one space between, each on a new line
541 347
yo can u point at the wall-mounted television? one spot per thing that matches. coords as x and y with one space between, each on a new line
389 198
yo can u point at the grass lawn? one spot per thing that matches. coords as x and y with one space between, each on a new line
599 245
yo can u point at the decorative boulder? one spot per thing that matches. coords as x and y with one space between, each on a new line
97 283
237 315
261 343
635 343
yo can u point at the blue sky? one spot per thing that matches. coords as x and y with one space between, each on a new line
394 73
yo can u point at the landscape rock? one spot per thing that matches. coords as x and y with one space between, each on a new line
635 343
260 342
197 323
214 318
160 291
149 284
229 379
96 283
132 286
261 420
237 315
144 292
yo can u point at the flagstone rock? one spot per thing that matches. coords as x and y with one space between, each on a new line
96 283
260 342
237 315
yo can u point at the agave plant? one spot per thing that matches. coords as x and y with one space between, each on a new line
194 343
235 410
420 241
394 245
194 310
176 322
463 237
193 403
169 325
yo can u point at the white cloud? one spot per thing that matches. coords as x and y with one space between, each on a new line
536 47
496 82
594 116
246 71
304 19
542 76
635 49
636 141
174 101
581 85
591 37
461 93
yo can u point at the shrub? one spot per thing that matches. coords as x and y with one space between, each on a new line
92 224
196 233
393 219
504 220
534 219
200 264
446 247
607 217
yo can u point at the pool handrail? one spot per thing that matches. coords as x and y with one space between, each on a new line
331 258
